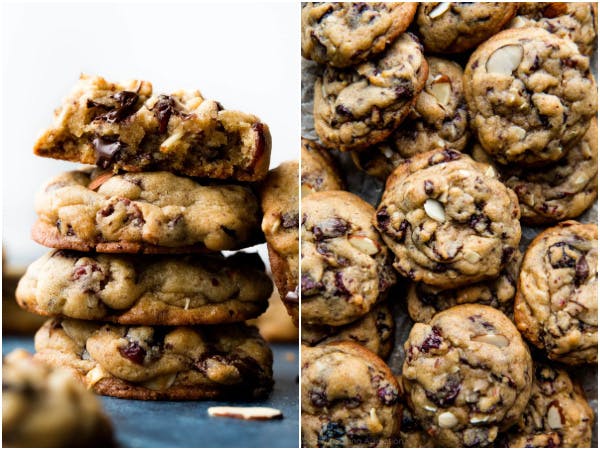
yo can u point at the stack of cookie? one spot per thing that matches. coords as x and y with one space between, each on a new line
523 105
143 304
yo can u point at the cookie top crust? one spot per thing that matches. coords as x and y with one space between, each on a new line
152 363
556 307
124 126
425 301
557 410
345 265
531 96
452 27
345 34
320 171
437 120
144 212
45 407
360 106
467 375
133 290
557 191
577 21
350 398
448 219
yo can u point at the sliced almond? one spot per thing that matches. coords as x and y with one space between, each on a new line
499 340
490 172
387 151
435 210
505 60
374 423
246 413
160 383
95 375
100 180
441 89
364 244
439 10
554 418
447 420
480 419
430 408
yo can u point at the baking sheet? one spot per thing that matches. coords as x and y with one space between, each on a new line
370 189
187 424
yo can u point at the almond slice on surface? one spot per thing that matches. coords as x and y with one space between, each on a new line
245 412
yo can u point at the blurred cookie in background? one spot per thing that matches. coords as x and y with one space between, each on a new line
275 324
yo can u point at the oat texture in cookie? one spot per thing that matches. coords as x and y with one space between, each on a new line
556 307
345 267
320 171
157 290
467 375
350 398
346 34
149 212
531 96
454 27
160 363
124 126
448 219
360 106
437 120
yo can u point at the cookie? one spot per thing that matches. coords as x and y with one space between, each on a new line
575 21
279 199
360 106
157 290
531 96
556 307
168 363
346 34
467 375
124 126
350 398
319 170
154 212
375 332
412 435
437 120
557 191
448 219
44 407
14 319
345 267
426 301
448 27
557 411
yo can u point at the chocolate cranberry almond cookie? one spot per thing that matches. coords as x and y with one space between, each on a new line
349 398
375 332
467 375
279 199
426 301
45 407
146 363
153 212
123 126
134 290
575 21
320 171
345 269
556 307
557 191
531 96
453 27
448 219
360 106
557 413
346 34
437 120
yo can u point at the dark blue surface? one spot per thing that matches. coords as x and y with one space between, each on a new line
187 424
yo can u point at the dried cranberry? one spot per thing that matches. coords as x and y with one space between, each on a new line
432 341
289 220
447 394
388 395
134 352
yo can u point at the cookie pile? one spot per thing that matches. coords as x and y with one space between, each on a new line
143 304
496 135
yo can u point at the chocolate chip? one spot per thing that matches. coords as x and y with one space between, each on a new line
581 270
445 396
341 290
383 218
318 399
163 109
310 286
443 156
343 111
330 228
107 150
331 435
564 260
432 341
480 223
134 352
507 253
428 186
289 220
127 101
